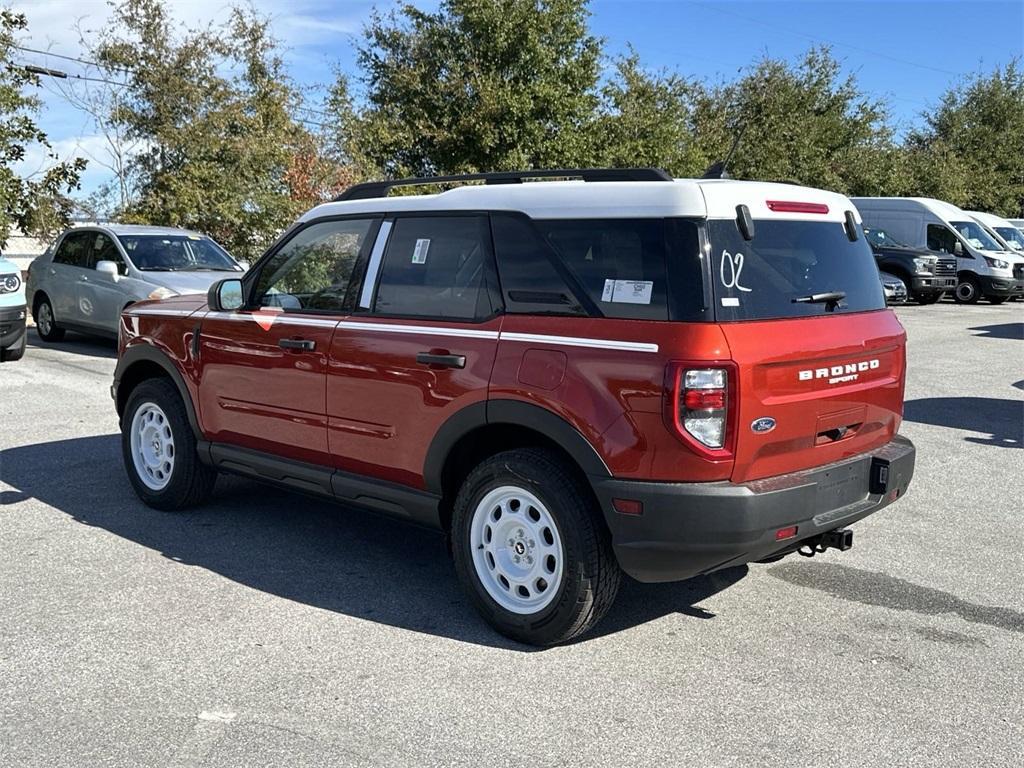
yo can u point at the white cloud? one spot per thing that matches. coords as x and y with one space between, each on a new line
313 33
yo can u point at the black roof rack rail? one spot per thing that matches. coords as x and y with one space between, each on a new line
373 189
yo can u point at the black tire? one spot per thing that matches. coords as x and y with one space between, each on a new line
48 330
191 482
591 575
10 354
996 299
968 291
927 298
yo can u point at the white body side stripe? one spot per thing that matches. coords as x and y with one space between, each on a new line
426 330
575 341
433 330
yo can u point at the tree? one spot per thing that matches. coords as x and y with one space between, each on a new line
212 111
646 120
804 123
478 85
39 204
971 151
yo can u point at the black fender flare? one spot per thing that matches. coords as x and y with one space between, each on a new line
513 412
146 353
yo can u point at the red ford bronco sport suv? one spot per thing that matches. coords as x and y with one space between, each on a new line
572 379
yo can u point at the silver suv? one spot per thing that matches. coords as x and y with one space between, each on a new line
90 274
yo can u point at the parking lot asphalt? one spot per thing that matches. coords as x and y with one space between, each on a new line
271 629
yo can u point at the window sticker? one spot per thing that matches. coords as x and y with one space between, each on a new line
627 291
730 301
419 253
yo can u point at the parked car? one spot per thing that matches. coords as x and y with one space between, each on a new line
1001 230
570 379
984 269
12 312
91 274
894 288
925 276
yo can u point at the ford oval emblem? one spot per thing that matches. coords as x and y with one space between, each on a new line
764 424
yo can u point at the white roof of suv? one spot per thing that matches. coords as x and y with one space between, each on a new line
699 198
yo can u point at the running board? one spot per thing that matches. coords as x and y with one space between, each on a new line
391 499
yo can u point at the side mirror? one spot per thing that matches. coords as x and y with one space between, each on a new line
225 295
108 268
958 248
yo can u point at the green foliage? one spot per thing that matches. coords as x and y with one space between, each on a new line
484 85
37 205
646 120
805 123
480 84
212 108
971 151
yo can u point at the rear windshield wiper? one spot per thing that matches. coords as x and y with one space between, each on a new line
830 297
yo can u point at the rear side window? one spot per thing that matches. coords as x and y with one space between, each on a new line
620 263
436 266
788 261
72 250
533 280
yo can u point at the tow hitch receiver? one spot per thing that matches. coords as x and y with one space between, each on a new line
841 539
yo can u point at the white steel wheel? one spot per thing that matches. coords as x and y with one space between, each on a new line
152 446
517 551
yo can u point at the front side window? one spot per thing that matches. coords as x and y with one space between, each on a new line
941 239
177 253
102 248
787 269
436 266
313 270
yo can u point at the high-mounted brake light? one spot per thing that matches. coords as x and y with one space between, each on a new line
698 400
792 206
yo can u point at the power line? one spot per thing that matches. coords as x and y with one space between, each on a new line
813 39
60 74
72 58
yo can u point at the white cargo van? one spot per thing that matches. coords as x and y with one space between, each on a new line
984 268
1004 231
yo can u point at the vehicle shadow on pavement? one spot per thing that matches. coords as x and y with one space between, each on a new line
872 588
300 548
1002 331
75 345
1002 419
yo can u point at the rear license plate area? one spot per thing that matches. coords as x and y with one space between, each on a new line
843 485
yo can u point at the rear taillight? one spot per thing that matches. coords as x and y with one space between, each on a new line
702 400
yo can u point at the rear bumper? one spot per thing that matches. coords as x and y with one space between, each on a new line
12 326
1000 286
687 529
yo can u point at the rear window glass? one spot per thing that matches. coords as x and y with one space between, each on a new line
787 261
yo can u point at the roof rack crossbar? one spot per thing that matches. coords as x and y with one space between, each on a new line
373 189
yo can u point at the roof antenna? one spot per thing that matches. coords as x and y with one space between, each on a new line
717 170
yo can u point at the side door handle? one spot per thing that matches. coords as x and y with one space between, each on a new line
441 360
302 345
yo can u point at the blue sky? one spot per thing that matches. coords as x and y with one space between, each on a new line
905 52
